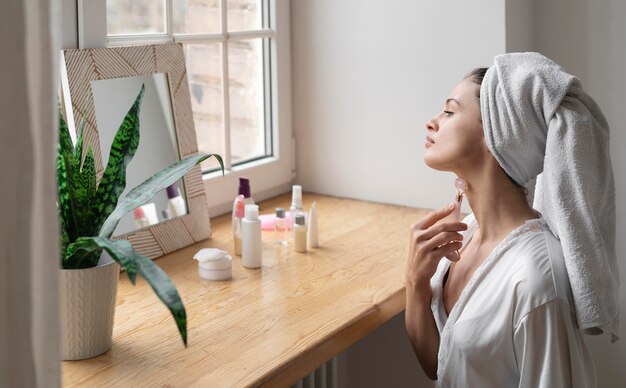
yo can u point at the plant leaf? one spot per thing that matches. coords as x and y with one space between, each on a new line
123 149
64 196
85 193
146 190
78 149
165 290
65 181
63 239
65 140
135 263
85 253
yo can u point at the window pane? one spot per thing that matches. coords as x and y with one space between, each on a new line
204 72
245 15
197 16
247 108
135 17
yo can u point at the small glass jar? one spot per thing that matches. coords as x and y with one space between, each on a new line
281 227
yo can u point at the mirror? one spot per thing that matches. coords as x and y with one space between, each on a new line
103 83
157 145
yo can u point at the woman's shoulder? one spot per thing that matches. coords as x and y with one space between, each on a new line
537 267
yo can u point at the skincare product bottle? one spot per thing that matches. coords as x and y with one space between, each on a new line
238 213
175 203
281 227
166 214
244 189
311 231
242 199
251 238
296 204
141 221
150 212
299 234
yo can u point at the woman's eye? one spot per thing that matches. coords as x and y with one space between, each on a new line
447 113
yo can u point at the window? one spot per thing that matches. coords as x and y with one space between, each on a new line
237 54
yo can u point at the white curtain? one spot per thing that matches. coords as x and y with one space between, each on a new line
29 321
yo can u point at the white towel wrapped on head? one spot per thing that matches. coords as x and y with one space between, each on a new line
538 120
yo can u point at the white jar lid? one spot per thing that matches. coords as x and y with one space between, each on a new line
213 259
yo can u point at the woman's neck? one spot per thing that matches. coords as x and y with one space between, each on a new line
497 203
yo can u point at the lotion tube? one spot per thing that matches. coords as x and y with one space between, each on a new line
251 245
312 235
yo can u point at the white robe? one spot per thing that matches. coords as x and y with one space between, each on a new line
513 324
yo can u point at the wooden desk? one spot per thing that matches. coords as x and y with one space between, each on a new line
269 326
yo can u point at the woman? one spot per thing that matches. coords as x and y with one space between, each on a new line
489 301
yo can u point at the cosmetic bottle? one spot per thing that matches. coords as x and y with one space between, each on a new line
141 221
238 213
311 230
281 227
175 203
299 234
251 246
296 205
244 189
166 214
150 212
242 199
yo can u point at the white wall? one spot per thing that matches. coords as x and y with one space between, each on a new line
367 75
520 26
587 37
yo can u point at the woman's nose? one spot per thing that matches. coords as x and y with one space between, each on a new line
431 125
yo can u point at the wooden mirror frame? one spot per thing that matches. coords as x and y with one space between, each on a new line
79 67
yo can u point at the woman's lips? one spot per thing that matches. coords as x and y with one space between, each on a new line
429 141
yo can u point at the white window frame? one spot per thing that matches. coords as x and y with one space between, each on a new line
268 176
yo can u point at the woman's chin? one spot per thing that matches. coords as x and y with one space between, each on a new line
436 163
432 161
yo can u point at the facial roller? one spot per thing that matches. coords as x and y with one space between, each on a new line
461 186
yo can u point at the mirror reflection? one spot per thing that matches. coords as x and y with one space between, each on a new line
157 145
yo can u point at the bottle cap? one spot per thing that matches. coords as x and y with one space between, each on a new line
300 219
244 187
296 195
172 191
252 212
139 213
280 212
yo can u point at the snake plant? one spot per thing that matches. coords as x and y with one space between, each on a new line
89 212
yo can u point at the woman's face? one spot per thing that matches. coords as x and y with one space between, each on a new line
455 137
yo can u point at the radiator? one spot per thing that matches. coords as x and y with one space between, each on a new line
326 376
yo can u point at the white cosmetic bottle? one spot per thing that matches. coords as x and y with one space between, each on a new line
175 203
251 238
296 208
299 234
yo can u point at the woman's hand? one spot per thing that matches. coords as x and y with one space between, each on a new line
429 243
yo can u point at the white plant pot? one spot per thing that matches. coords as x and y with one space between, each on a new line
88 299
